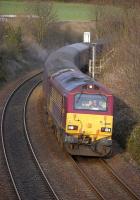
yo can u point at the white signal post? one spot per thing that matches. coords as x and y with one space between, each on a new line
86 39
93 60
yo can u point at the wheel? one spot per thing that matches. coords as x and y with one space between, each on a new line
104 151
109 154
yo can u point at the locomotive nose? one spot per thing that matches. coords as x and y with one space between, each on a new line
90 126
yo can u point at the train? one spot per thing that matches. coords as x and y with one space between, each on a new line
79 108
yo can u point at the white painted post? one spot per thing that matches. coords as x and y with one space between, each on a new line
93 59
86 38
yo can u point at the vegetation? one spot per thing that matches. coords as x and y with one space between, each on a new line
38 27
134 144
11 45
15 33
2 71
70 11
120 26
122 71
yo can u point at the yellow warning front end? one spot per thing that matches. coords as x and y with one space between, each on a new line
93 132
94 126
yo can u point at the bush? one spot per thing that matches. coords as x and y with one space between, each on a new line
13 41
11 46
134 144
2 67
14 35
2 75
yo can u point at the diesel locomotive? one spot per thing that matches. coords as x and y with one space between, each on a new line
80 108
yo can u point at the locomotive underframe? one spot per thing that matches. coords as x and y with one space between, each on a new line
83 145
89 150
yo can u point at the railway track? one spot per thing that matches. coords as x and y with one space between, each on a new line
26 174
68 183
89 168
87 179
119 180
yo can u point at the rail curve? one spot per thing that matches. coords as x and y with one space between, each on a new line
26 174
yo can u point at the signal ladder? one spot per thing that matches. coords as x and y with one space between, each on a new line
96 65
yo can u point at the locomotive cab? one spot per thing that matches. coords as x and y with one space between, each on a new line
89 119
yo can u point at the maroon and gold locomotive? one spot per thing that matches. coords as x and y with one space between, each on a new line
81 109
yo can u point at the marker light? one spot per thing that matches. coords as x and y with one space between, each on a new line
72 127
104 129
91 86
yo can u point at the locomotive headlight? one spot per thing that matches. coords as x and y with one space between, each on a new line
90 86
72 127
104 129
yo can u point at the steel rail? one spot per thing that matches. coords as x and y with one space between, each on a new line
114 175
122 183
2 135
29 142
13 178
100 196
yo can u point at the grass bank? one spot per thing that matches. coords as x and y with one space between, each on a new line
64 11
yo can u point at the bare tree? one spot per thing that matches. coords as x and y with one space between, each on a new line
41 16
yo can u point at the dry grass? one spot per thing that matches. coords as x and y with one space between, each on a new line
134 144
122 72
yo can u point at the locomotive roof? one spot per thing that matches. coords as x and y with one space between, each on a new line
70 80
65 58
63 67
